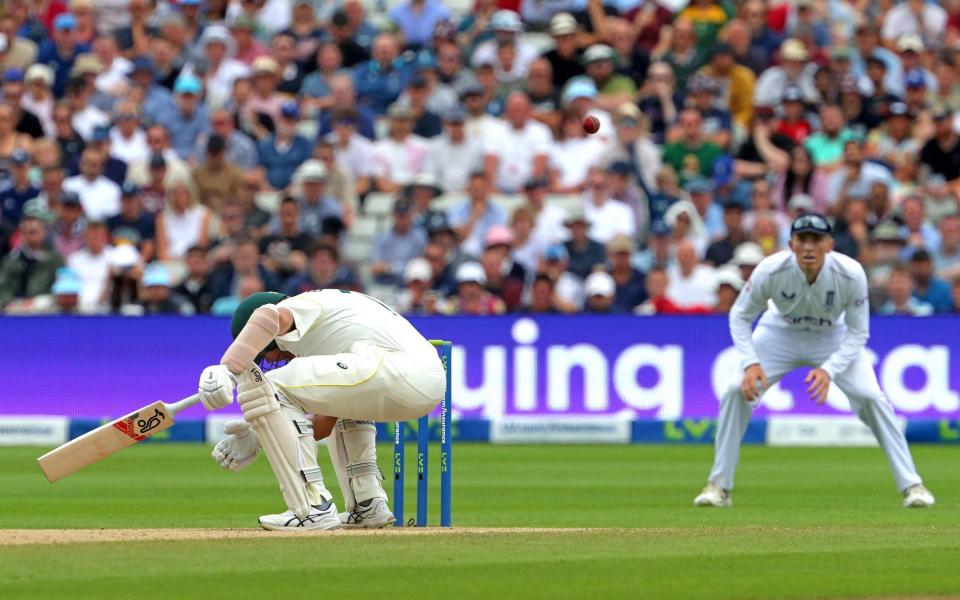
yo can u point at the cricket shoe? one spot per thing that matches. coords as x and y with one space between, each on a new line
322 517
917 496
713 495
369 514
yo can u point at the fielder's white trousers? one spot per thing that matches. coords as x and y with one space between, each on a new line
367 383
781 351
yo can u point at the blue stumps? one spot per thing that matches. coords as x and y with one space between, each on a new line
446 445
423 454
398 445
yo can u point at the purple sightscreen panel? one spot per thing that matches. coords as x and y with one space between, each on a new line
649 367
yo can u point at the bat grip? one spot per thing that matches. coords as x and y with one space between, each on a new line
182 404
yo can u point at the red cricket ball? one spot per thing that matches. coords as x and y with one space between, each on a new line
591 124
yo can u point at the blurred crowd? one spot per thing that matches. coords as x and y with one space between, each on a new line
174 156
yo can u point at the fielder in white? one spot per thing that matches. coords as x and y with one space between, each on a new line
817 315
350 358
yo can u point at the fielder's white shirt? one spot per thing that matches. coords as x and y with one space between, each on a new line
100 198
835 302
329 321
515 150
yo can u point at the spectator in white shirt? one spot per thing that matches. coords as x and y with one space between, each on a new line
38 97
158 141
517 151
112 80
573 154
351 150
399 156
919 17
95 263
128 142
480 125
548 228
223 70
454 155
86 117
607 217
99 196
691 284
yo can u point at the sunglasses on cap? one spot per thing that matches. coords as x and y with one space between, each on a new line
811 223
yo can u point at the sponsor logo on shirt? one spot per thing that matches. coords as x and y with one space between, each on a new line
818 321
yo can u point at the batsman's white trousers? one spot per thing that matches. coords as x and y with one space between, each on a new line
367 383
781 351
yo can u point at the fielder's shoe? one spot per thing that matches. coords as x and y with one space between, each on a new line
713 495
369 514
323 517
917 496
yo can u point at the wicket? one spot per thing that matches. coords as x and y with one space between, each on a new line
423 455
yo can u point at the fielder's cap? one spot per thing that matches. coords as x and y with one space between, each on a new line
424 180
899 109
437 222
747 254
562 23
70 198
398 111
156 276
455 115
12 75
793 49
130 189
39 72
910 42
19 157
313 170
801 202
811 223
555 252
506 20
187 84
418 269
915 79
65 22
579 87
216 144
67 283
101 133
264 65
290 110
698 185
729 275
471 272
792 93
888 231
498 235
600 283
157 161
620 243
598 53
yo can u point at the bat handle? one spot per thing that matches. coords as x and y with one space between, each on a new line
182 404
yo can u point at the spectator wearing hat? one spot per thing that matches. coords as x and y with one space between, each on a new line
472 298
517 150
887 251
634 147
685 224
324 270
917 91
380 80
572 155
66 294
542 295
721 251
30 268
426 123
114 169
630 286
600 291
247 48
421 191
441 96
691 155
735 83
394 248
217 47
900 299
794 69
416 20
579 97
61 50
99 195
157 296
283 151
157 100
316 204
453 155
927 286
729 284
21 190
216 178
190 121
582 253
307 29
128 141
565 56
285 250
37 97
69 226
702 93
133 225
941 153
684 54
568 287
480 124
472 218
946 256
13 91
507 27
600 64
416 297
505 277
793 121
400 155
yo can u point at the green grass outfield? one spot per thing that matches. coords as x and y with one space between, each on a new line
806 523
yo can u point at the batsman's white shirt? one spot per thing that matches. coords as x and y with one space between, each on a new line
356 358
834 305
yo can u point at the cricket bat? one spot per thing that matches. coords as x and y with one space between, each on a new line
108 439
